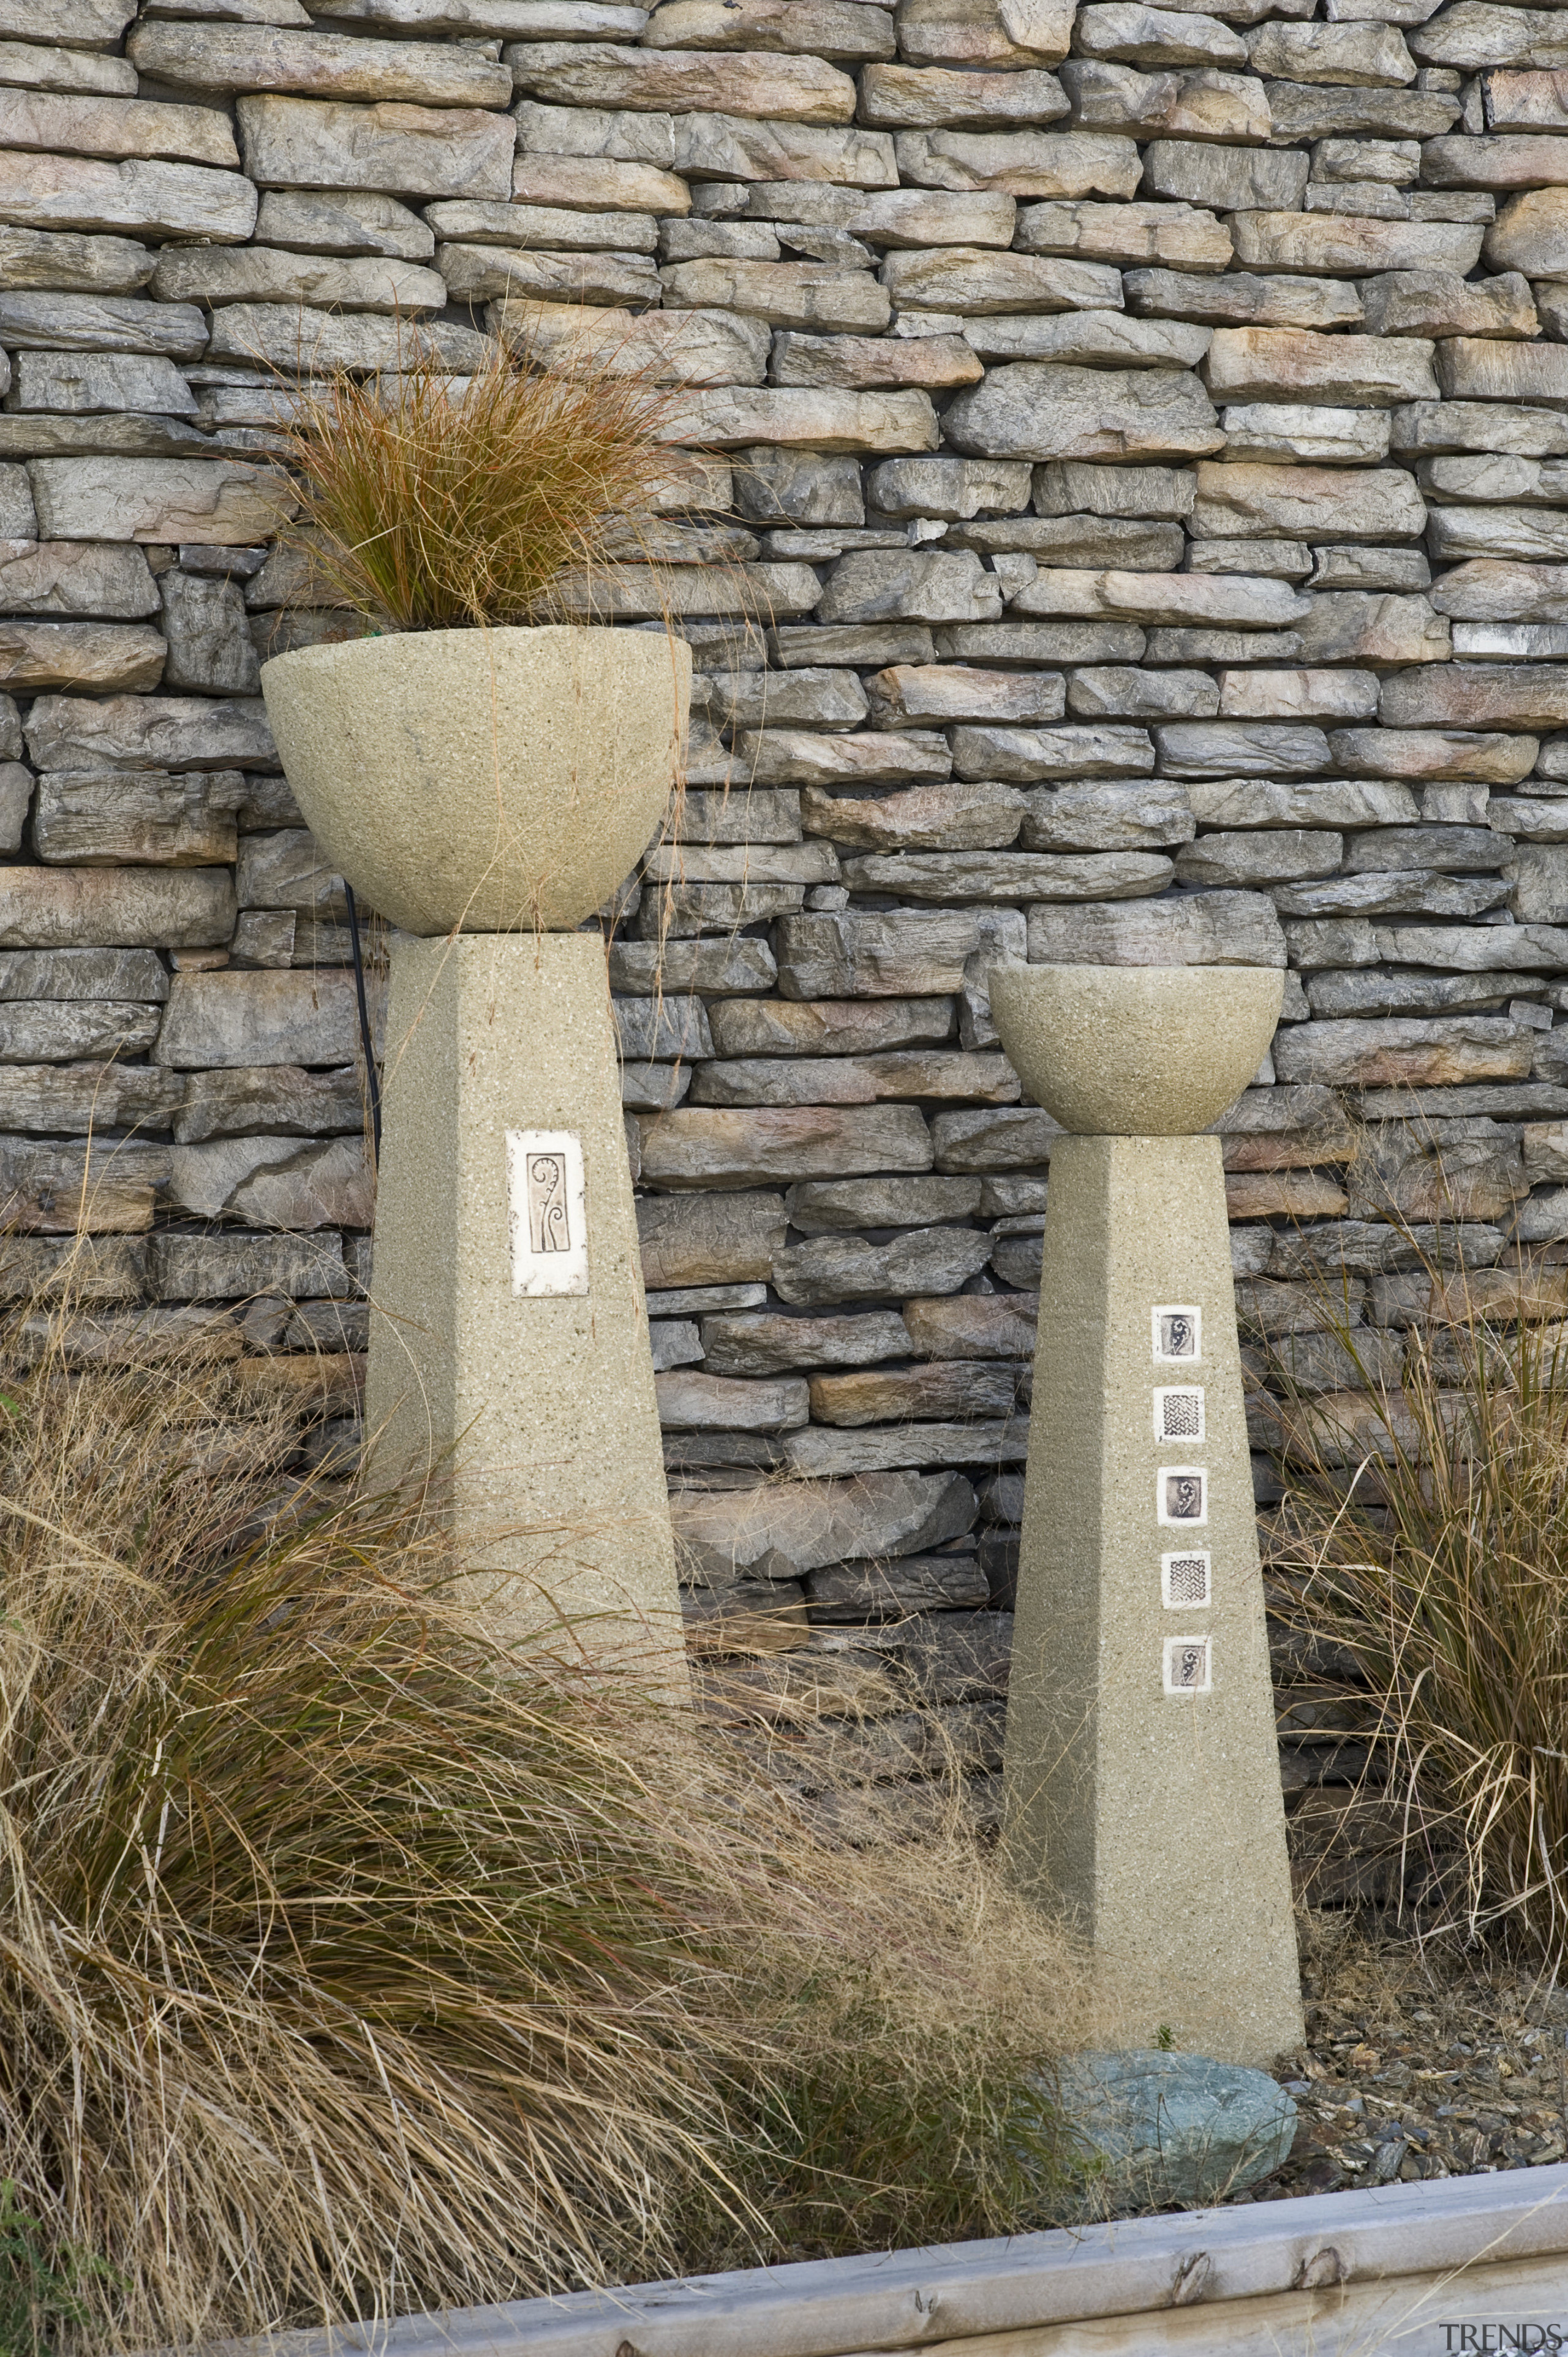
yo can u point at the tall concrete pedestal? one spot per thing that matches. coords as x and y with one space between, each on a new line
1142 1765
507 1327
1141 1772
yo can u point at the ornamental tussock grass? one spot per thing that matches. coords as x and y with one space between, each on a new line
352 1963
1425 1552
428 502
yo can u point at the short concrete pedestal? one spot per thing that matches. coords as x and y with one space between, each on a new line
508 1326
1142 1766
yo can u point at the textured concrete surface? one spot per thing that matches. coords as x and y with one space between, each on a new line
543 1406
496 779
1153 1819
1149 1050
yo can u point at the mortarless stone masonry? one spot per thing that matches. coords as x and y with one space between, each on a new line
1142 532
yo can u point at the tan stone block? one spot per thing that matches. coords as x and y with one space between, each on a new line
1298 695
256 274
875 364
776 88
926 98
1226 179
215 503
801 756
1521 163
288 336
255 57
1435 752
1489 590
1362 55
1239 299
1021 163
1402 1052
719 1147
108 817
820 28
49 260
1352 244
108 1190
986 32
906 217
1479 696
87 24
106 657
491 274
1440 303
785 294
973 281
92 908
731 147
1371 626
1264 363
1043 409
666 346
1295 1195
150 199
1212 599
911 695
1182 236
115 127
730 418
954 1388
1475 368
1474 36
831 1027
971 1326
419 150
1136 36
589 184
1528 233
1013 875
979 817
34 68
1248 502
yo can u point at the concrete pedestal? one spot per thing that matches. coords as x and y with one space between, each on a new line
1143 1783
507 1327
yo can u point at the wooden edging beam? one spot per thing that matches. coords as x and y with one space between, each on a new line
1496 2234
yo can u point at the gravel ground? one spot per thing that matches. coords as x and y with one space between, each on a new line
1421 2061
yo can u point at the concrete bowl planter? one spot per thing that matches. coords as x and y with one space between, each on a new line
1135 1050
494 781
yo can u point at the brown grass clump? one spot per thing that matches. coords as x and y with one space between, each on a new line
1430 1561
350 1964
431 503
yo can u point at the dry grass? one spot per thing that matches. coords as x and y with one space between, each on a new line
349 1965
432 503
1430 1561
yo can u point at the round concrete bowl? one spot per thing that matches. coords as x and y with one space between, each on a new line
1135 1050
495 780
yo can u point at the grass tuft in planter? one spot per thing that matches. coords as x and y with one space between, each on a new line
434 502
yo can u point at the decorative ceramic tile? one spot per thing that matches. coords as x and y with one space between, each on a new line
547 1211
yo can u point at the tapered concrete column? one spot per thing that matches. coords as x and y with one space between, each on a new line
507 1328
1141 1775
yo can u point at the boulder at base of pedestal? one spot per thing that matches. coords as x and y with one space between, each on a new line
1175 2127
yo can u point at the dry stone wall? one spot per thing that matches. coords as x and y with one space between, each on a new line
1137 528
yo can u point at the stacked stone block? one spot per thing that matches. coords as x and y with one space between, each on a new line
1135 526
